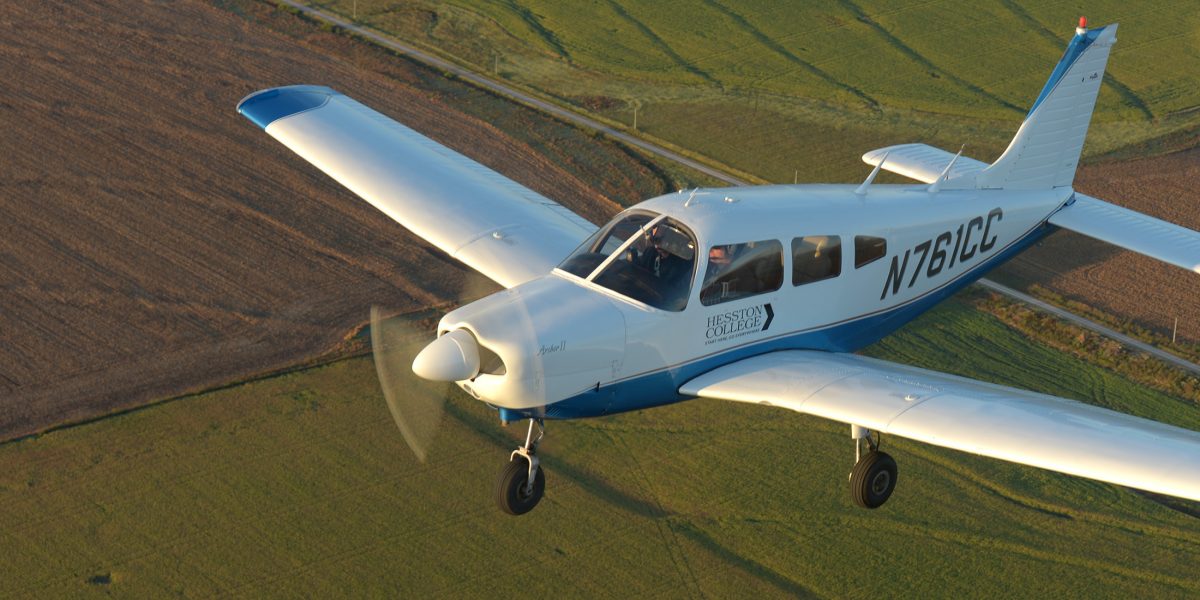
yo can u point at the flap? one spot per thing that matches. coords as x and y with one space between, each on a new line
1131 230
496 226
963 414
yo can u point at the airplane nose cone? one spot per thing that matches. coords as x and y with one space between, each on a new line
452 357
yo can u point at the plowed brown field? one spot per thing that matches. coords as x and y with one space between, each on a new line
153 241
1122 283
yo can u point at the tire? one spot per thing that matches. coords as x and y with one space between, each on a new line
873 480
510 488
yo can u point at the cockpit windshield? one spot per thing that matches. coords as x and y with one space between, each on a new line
644 256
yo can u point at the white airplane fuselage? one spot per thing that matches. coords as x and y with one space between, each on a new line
573 348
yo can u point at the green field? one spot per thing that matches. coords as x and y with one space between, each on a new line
300 485
809 87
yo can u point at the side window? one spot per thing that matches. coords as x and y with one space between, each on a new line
816 257
741 270
868 249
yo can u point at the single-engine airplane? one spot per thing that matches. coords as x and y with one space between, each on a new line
756 294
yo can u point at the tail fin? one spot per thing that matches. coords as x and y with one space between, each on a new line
1046 149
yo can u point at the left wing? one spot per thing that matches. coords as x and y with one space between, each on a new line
493 224
963 414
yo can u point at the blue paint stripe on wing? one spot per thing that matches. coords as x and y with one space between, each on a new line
1078 44
267 106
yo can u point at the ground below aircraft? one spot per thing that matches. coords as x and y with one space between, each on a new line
751 294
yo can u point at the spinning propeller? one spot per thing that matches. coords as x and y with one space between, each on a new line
417 373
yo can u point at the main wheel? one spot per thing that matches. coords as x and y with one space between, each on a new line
873 479
510 488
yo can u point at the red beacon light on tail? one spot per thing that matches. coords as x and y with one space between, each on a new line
1082 26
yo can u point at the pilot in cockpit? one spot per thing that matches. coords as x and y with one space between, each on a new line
656 259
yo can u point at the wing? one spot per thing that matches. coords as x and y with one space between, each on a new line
493 224
1131 230
954 412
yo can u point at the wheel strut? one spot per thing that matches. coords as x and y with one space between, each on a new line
522 483
529 451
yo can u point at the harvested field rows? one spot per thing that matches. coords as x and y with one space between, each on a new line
152 241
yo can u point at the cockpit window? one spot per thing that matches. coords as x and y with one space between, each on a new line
604 242
643 256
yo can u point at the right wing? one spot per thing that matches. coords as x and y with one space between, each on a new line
494 225
1131 230
963 414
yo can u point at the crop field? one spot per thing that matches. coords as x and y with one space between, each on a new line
797 92
154 242
938 71
300 485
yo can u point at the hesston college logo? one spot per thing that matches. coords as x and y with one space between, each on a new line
736 323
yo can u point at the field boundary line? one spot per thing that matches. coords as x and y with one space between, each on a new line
657 150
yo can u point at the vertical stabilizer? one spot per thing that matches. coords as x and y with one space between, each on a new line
1046 149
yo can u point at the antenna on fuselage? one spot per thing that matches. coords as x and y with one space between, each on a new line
937 183
691 197
862 189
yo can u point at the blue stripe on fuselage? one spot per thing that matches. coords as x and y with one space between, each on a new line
662 387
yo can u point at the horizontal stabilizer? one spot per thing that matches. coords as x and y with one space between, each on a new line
489 222
922 162
1131 230
963 414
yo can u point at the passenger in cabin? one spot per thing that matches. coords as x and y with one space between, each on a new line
814 258
717 283
738 271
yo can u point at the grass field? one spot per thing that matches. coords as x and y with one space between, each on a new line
937 71
300 485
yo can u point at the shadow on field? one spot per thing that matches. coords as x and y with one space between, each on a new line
1179 505
750 567
585 480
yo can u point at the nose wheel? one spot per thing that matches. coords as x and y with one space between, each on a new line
522 481
874 476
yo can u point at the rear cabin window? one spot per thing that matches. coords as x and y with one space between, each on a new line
738 271
815 258
868 249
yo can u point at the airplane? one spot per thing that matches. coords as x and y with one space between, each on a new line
757 294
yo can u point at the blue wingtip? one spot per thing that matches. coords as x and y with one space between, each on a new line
267 106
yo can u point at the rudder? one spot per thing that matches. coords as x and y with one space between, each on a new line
1046 149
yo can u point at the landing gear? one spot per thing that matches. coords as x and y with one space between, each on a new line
874 476
522 482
